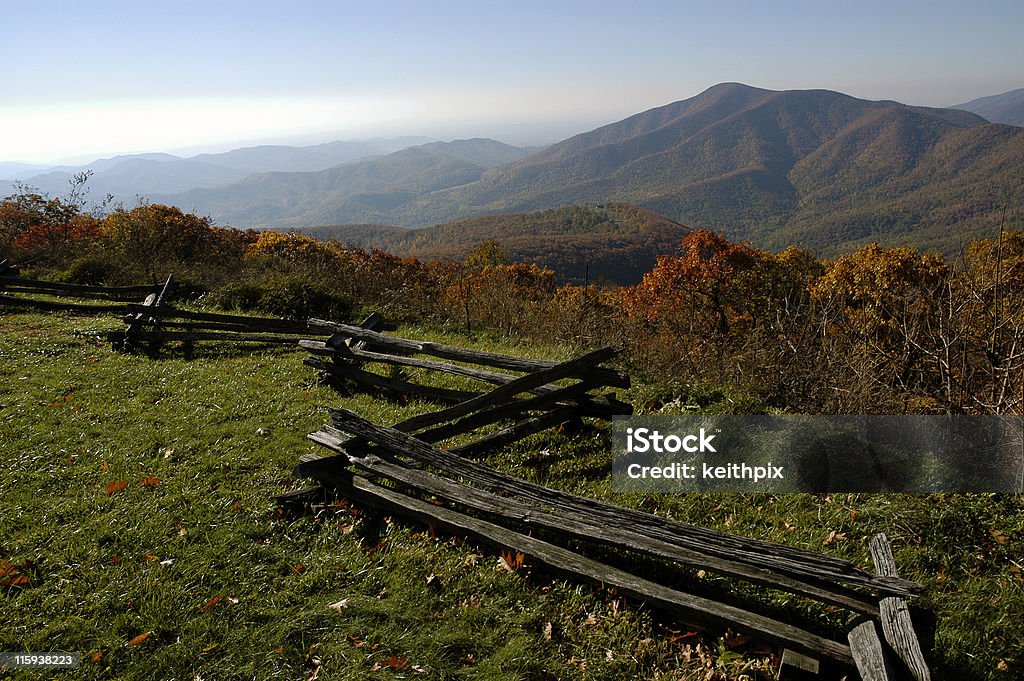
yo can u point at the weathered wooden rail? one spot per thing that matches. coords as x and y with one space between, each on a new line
499 509
345 354
153 323
20 292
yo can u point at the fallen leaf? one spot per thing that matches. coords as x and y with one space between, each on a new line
548 631
210 648
141 638
683 636
395 662
467 659
472 559
297 569
17 580
278 650
116 560
97 657
590 621
340 605
150 557
150 481
117 487
11 576
998 536
514 560
212 603
104 466
1002 666
835 536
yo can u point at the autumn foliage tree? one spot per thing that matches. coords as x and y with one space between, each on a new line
987 331
43 231
152 239
489 290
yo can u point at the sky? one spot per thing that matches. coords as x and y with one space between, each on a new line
87 79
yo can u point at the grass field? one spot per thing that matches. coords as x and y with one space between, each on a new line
138 527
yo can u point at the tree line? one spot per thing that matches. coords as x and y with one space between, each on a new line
879 330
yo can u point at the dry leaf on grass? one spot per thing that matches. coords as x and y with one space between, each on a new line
140 639
343 604
835 536
116 487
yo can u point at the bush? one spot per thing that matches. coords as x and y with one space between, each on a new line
93 269
282 296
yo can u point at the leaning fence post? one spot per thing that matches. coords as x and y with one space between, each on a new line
895 615
153 300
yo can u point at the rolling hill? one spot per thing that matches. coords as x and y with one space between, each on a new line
614 241
1007 107
132 175
383 189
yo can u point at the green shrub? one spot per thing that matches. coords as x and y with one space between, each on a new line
282 296
93 269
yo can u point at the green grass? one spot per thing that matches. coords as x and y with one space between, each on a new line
228 586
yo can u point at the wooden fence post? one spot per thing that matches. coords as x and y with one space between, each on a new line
152 300
897 627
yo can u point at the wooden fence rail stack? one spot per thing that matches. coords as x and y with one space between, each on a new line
156 324
511 513
25 290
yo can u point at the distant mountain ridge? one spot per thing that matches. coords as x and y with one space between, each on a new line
817 168
132 175
814 167
1007 108
383 189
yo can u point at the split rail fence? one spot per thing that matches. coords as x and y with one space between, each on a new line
511 513
517 398
150 321
20 292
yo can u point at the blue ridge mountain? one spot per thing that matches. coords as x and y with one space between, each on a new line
813 167
1007 107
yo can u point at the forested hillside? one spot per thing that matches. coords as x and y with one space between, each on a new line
617 242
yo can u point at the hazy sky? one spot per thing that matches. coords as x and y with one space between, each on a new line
93 78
